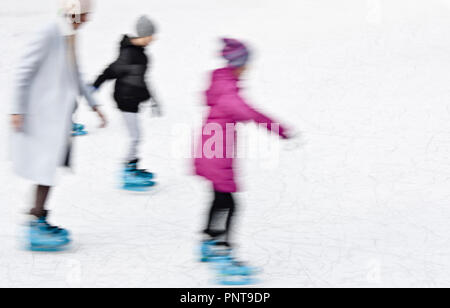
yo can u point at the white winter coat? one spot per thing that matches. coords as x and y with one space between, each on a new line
47 87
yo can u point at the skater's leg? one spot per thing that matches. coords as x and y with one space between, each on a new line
41 235
220 217
218 249
212 217
230 218
42 193
134 130
135 179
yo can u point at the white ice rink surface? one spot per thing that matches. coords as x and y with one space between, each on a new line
365 203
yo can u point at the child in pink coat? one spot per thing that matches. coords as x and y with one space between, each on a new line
215 159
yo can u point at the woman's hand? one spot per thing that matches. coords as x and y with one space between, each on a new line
102 117
17 121
156 109
294 140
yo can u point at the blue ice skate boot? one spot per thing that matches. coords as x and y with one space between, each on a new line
133 165
212 251
134 180
232 267
78 130
77 126
44 237
229 271
236 280
221 256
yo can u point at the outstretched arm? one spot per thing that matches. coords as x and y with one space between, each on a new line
87 93
240 111
116 70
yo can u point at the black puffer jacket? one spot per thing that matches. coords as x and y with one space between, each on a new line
129 71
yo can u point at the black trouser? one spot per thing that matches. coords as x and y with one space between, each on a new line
221 216
42 193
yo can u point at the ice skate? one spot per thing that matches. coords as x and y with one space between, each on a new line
137 180
44 237
236 280
231 267
229 271
212 251
133 166
145 174
234 273
78 130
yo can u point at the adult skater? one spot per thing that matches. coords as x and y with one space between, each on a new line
131 90
226 109
48 84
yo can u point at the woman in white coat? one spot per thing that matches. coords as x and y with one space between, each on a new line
47 87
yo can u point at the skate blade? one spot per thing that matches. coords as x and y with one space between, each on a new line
60 248
253 271
79 134
214 261
243 273
150 177
78 127
136 188
236 281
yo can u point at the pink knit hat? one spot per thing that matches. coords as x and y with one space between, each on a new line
235 52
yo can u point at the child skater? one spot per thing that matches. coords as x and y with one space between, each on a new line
47 88
226 108
131 89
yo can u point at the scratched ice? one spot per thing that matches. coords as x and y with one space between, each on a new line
364 203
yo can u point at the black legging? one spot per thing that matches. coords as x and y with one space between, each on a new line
41 197
221 216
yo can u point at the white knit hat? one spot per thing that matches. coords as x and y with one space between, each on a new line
76 7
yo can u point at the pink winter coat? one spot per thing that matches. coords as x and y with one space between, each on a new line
215 159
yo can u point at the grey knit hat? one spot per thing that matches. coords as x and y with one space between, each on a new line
145 27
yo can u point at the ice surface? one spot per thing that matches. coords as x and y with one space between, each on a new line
365 203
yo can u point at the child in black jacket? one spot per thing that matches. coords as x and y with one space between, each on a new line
131 89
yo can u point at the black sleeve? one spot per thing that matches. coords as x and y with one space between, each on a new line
116 70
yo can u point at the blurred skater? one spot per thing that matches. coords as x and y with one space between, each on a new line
131 90
47 87
226 109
